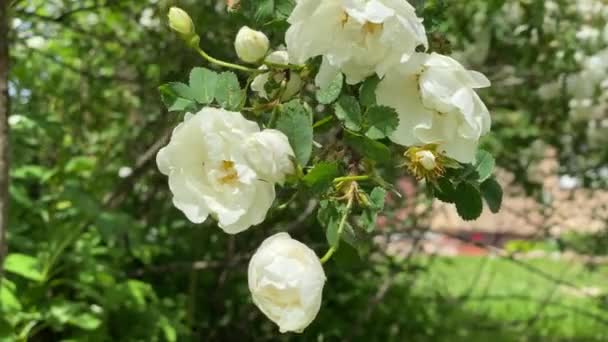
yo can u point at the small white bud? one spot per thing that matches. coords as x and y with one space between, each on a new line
250 45
427 159
125 172
180 22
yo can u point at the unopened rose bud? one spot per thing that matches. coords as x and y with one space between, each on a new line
427 160
250 45
180 22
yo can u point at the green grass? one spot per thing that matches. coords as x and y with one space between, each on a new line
491 298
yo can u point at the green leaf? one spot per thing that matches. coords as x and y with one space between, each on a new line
370 213
367 92
382 121
283 8
484 165
228 91
25 266
329 215
203 83
332 91
295 120
347 256
8 297
85 321
371 149
354 238
321 176
348 111
74 314
177 96
445 191
264 10
492 193
468 202
168 329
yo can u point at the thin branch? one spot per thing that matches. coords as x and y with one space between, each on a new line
4 139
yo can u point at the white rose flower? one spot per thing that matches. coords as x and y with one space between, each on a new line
250 45
356 37
210 173
293 84
436 102
286 281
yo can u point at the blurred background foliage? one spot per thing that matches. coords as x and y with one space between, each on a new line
97 252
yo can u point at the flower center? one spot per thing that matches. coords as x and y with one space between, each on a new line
426 162
228 174
371 28
344 18
368 27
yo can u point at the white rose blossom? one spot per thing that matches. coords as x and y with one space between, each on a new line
292 85
436 102
356 37
251 45
286 281
221 164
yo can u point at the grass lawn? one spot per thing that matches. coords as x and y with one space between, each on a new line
491 299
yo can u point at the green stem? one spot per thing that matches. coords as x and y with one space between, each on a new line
341 225
351 178
322 122
283 66
274 117
225 64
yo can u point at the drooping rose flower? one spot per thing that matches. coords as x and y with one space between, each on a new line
286 281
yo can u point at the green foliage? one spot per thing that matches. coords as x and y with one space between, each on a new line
24 265
367 92
330 215
320 178
492 194
348 111
368 148
177 96
371 210
228 92
381 122
295 120
484 165
204 84
468 201
331 93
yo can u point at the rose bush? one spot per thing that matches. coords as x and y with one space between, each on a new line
221 164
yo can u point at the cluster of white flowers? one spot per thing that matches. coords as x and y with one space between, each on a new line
222 165
433 94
